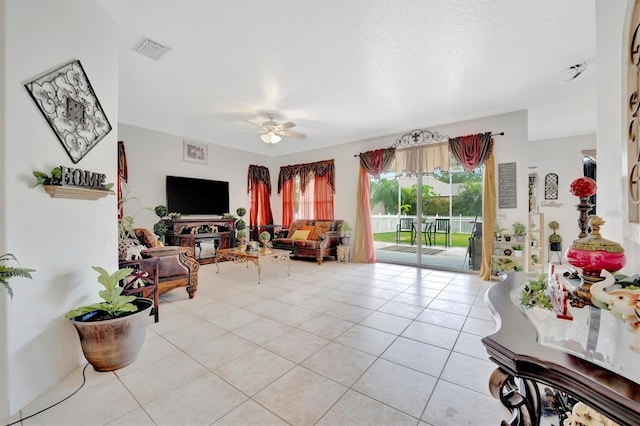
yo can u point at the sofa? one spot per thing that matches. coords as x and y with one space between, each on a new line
176 265
314 239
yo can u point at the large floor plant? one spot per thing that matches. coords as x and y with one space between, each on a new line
112 331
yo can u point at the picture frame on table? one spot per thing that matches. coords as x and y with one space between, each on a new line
194 152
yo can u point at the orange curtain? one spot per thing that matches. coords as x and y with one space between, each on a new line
363 248
288 202
322 198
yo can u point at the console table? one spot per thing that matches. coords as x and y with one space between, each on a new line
589 358
204 236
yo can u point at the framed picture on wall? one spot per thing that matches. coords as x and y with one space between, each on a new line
194 152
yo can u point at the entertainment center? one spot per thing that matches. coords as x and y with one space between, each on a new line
204 235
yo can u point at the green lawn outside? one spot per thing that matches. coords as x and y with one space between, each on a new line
457 239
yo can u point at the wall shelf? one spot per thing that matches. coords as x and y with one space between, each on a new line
56 191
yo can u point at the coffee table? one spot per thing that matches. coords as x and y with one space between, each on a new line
257 257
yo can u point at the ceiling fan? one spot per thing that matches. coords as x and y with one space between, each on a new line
272 131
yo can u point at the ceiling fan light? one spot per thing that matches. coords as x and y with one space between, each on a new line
270 138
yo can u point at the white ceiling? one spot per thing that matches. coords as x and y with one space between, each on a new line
348 70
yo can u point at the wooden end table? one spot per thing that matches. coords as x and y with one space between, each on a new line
257 257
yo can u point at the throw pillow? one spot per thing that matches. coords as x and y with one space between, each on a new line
145 237
300 235
294 226
320 229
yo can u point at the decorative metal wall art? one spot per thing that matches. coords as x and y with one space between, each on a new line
551 186
68 103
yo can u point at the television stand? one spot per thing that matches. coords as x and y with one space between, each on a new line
203 236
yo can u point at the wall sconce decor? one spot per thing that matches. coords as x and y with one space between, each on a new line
67 101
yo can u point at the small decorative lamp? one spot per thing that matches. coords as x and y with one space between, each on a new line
591 255
583 188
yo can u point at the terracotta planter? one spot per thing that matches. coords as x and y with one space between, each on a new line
115 343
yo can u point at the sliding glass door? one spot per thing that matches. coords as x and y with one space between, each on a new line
426 220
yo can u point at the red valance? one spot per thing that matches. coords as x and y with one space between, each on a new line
306 172
258 174
471 151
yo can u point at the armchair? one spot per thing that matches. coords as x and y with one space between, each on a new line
177 266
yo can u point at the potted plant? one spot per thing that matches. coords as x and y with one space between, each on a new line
8 272
519 231
497 232
345 233
555 240
517 250
264 238
112 331
241 235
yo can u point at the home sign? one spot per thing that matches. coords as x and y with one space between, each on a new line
84 178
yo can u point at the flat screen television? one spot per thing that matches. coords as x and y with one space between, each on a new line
191 196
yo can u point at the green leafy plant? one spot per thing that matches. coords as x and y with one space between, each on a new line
241 234
8 272
241 211
240 225
519 229
114 303
535 258
517 247
160 229
161 211
44 179
175 216
534 293
345 229
126 222
228 216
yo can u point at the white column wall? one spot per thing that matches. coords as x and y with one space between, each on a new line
60 238
612 21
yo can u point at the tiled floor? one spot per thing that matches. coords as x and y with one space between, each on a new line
336 344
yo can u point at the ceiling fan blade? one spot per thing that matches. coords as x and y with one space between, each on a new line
291 134
287 125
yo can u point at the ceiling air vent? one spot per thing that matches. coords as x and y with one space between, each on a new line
151 49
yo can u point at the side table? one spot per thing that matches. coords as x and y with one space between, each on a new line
344 254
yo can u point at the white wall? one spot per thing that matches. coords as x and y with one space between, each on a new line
612 22
60 238
152 155
562 156
146 176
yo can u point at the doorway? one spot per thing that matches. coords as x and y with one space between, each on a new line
427 220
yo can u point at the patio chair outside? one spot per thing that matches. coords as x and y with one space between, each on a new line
440 226
406 225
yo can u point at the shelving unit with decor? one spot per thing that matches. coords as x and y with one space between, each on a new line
203 236
504 258
536 243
